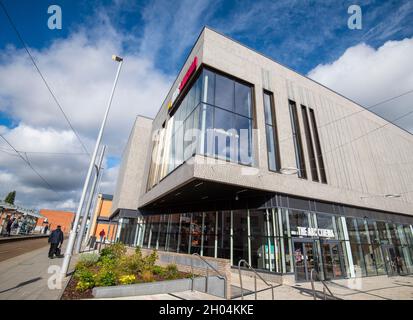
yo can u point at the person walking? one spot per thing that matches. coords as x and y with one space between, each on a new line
55 240
399 265
8 226
102 235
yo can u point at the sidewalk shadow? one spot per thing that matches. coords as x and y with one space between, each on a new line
22 284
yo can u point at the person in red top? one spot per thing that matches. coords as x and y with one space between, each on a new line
102 235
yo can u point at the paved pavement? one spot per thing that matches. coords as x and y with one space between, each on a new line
26 276
370 288
15 248
184 295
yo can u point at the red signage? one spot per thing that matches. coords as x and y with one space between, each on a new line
184 81
189 73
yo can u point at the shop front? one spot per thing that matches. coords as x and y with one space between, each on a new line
285 239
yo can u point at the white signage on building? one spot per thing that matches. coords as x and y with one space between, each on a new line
315 232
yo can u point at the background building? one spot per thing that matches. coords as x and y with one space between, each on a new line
100 220
54 218
248 159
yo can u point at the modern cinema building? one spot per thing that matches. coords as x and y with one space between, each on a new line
247 159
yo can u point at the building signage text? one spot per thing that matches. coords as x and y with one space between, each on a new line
315 232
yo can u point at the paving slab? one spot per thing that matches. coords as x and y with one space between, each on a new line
26 276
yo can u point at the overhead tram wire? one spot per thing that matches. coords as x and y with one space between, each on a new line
365 134
41 75
356 112
29 164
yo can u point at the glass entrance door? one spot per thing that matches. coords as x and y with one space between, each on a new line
332 259
389 254
305 259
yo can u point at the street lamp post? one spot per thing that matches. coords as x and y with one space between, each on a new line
81 233
72 235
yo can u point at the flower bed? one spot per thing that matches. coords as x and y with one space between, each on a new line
114 267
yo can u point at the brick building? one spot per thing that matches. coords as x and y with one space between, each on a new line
101 215
53 218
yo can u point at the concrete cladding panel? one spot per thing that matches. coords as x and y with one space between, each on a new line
132 178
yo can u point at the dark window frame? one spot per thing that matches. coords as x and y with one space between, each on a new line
273 125
318 149
298 144
309 142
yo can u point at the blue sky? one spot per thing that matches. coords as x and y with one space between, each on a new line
300 34
155 37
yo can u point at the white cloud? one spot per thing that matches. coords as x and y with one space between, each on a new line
368 76
80 71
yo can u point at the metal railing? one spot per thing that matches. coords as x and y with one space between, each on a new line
325 287
255 280
208 265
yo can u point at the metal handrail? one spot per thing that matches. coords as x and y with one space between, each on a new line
255 279
322 282
207 274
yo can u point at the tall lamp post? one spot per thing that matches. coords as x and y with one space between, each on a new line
72 235
85 217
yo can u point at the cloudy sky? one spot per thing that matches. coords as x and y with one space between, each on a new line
368 65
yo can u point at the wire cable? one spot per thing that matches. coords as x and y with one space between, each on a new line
41 75
29 164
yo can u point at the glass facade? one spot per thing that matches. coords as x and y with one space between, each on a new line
214 118
284 240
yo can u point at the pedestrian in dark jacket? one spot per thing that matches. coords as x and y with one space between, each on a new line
55 240
8 226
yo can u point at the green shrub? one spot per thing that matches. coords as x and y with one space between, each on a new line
105 278
88 259
149 261
127 279
159 270
85 277
107 262
172 271
131 264
114 251
138 252
82 285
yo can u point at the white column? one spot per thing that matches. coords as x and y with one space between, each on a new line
248 236
269 239
216 235
231 239
136 232
348 248
119 229
202 234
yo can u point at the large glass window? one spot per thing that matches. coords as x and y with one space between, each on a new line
299 153
271 133
209 234
224 235
213 118
309 140
240 238
318 147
